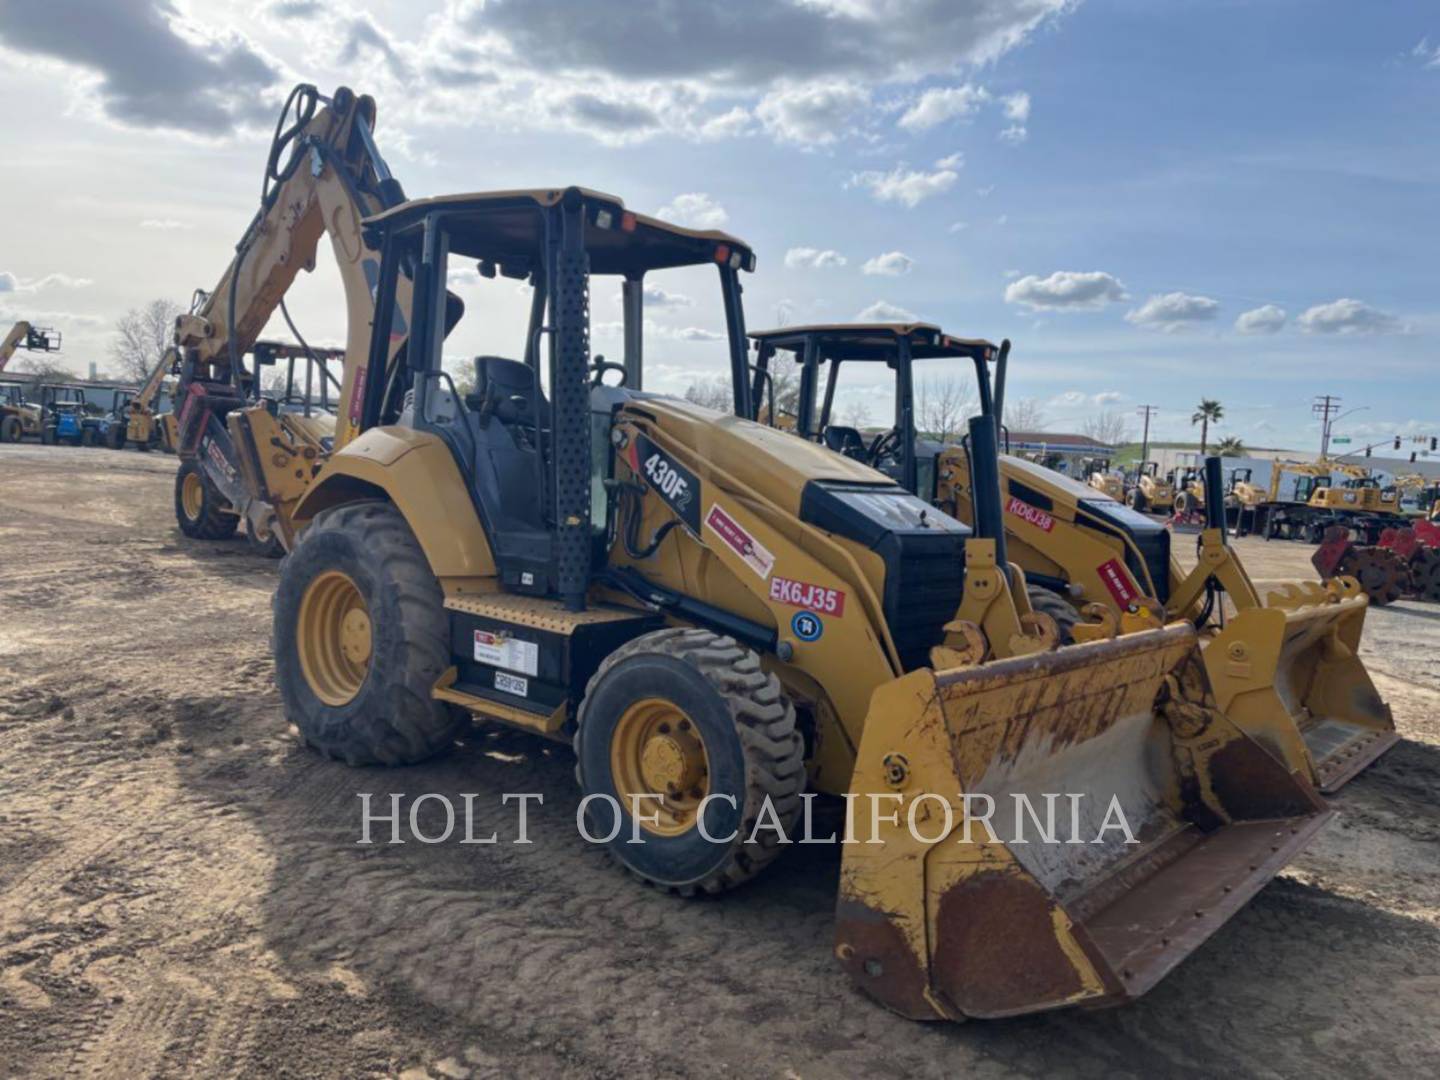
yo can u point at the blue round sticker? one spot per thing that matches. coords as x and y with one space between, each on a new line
807 626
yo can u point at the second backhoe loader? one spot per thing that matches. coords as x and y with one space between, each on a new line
135 422
717 615
1284 668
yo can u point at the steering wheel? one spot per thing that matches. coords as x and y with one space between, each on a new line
600 366
884 444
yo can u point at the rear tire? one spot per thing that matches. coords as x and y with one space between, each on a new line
11 429
389 717
1139 502
201 511
115 437
48 436
1051 603
750 749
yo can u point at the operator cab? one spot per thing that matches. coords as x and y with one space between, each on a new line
902 451
536 471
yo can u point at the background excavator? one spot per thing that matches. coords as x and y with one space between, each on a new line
1284 668
717 614
243 456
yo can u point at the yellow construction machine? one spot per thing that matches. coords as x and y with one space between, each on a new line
717 615
243 455
1152 492
33 338
20 416
1104 479
1284 668
136 421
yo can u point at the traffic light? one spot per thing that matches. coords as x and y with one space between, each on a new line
1433 441
1397 442
1367 451
1412 457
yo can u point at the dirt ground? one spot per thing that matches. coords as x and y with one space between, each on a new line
181 892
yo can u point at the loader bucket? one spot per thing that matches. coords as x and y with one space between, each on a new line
1290 676
942 918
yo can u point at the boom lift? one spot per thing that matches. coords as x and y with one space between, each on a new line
1285 669
713 611
241 456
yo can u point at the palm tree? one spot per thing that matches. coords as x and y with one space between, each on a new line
1230 446
1209 412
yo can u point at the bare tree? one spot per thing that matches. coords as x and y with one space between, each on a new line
1107 428
711 393
1024 415
141 337
47 369
941 407
856 414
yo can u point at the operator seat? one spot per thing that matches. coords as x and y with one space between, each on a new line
846 440
508 415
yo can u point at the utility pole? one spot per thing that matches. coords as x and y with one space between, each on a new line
1145 411
1325 407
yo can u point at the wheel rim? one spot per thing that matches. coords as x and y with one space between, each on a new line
656 748
334 639
192 496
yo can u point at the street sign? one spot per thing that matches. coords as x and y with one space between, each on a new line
1338 439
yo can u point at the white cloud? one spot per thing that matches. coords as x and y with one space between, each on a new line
165 224
695 210
1267 319
958 226
814 114
656 297
1107 397
1017 107
954 162
890 264
884 311
9 283
909 187
1172 312
1427 54
1015 134
814 258
697 333
1347 316
939 104
1066 290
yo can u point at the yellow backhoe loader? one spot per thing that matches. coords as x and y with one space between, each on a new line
1103 479
1285 669
716 614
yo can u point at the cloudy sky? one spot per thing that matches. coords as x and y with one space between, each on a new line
1155 201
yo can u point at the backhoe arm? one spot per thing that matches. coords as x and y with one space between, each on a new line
18 333
331 177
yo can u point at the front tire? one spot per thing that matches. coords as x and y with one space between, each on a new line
115 437
11 429
1057 607
692 716
201 511
360 637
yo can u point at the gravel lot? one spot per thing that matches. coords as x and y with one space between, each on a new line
181 892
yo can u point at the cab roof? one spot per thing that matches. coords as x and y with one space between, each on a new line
877 341
504 228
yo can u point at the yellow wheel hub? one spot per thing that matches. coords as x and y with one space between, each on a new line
192 496
334 638
657 749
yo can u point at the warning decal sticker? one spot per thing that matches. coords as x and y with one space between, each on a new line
733 535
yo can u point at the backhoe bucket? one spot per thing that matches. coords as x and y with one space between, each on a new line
1290 675
1166 820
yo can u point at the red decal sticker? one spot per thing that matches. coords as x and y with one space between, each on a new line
357 395
733 535
1032 514
802 594
1118 582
